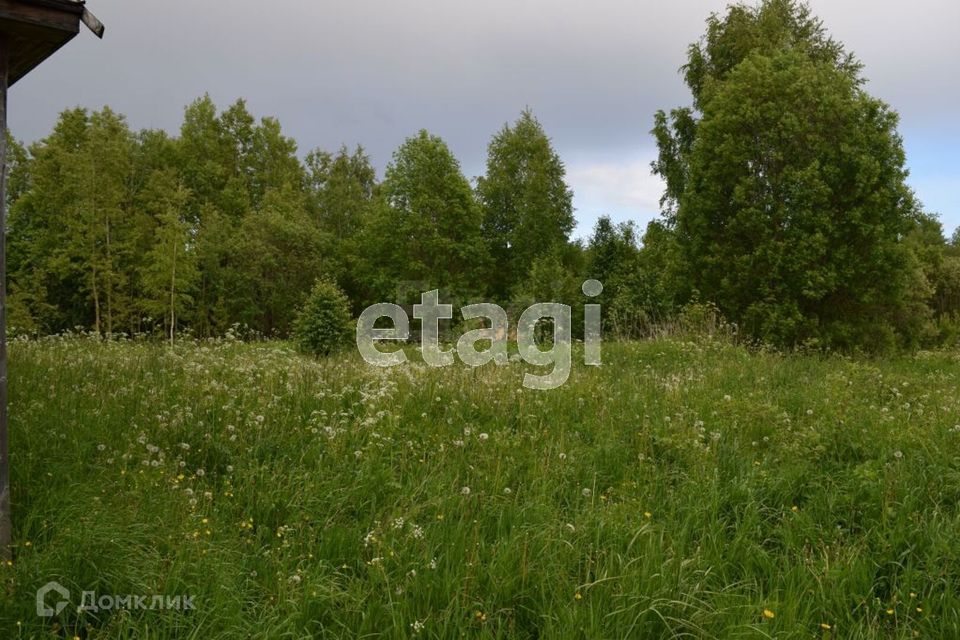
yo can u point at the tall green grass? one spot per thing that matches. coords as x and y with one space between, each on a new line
681 490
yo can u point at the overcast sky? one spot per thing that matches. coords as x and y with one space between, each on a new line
357 71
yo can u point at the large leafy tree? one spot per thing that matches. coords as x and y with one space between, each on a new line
786 183
527 206
273 162
211 148
275 257
248 187
342 189
170 274
74 230
208 162
611 251
342 186
427 229
109 227
45 293
613 259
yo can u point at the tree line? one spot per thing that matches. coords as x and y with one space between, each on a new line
119 231
786 209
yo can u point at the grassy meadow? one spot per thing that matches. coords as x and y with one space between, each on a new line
690 489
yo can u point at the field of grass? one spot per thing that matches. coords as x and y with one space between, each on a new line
683 489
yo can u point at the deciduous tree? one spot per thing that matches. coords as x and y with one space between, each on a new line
527 205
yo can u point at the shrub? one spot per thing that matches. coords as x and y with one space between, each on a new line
323 324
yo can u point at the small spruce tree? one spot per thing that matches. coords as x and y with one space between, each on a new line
323 324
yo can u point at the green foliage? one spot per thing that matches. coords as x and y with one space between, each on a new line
323 323
613 258
342 186
785 206
550 281
552 278
936 274
527 206
73 229
641 286
114 231
343 198
703 320
276 255
788 194
426 229
611 249
170 275
765 29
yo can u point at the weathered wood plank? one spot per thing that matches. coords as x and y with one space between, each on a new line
6 529
92 23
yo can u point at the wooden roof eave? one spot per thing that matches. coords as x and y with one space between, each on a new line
35 30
